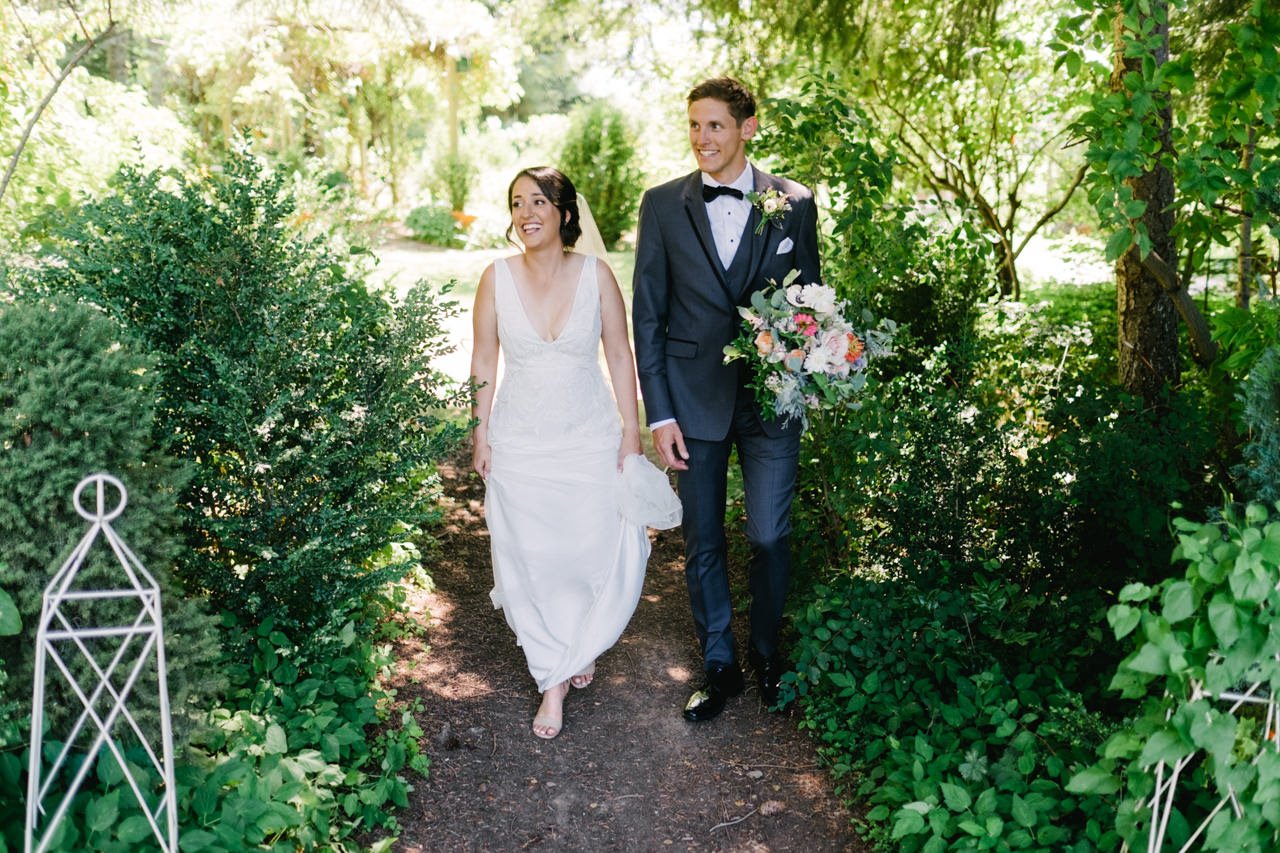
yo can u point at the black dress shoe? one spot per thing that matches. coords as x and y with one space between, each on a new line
723 682
768 675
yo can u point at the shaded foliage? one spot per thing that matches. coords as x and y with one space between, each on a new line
74 401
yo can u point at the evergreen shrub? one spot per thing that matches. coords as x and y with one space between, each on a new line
1259 474
76 399
454 175
305 404
599 156
434 224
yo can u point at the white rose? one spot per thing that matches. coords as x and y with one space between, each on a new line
820 297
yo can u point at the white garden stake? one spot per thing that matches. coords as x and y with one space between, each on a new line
63 640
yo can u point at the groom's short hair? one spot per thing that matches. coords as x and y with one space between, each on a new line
742 104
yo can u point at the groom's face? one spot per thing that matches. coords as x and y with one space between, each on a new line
719 142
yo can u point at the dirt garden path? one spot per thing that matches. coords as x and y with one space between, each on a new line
627 773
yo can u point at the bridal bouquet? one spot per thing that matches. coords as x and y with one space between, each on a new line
807 354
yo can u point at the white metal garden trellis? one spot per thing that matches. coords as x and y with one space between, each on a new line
1162 799
127 650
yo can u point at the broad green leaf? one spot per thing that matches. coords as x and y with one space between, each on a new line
1024 814
956 797
1093 780
1215 733
1163 746
10 619
1224 619
276 743
1179 601
102 812
936 844
1117 245
1135 592
1150 659
134 828
1123 619
907 823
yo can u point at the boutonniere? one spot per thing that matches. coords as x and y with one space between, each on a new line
773 206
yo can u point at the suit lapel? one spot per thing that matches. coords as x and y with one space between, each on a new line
760 246
696 209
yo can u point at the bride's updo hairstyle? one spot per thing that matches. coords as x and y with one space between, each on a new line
563 197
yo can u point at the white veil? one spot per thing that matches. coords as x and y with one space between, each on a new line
590 243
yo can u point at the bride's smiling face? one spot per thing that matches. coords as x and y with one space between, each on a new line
534 218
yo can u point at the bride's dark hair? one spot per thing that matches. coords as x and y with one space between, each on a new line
560 192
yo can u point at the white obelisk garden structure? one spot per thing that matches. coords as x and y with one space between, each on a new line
100 665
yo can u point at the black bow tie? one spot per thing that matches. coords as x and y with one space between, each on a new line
710 193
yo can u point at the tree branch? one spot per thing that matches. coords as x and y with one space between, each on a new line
70 66
1053 211
1204 348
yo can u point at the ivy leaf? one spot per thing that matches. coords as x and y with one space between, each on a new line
1135 592
1150 659
1215 733
1163 746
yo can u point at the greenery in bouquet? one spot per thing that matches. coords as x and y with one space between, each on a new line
805 353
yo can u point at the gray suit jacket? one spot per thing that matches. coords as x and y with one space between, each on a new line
685 307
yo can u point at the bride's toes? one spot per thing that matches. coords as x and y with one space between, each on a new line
585 677
550 717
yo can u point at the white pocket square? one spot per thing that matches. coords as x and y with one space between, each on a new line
785 246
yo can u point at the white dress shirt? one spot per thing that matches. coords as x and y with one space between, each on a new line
729 215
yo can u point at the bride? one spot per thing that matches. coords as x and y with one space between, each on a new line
551 441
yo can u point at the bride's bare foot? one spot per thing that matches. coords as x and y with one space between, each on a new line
584 678
550 717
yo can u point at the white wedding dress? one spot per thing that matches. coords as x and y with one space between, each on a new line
567 568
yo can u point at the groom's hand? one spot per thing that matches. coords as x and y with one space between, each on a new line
668 440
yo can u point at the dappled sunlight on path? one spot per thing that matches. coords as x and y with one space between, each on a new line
627 772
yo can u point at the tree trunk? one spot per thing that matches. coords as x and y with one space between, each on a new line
1146 315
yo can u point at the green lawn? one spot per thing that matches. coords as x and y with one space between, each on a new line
408 260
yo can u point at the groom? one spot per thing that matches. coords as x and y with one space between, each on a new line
701 251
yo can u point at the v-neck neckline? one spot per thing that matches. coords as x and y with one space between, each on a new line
524 311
